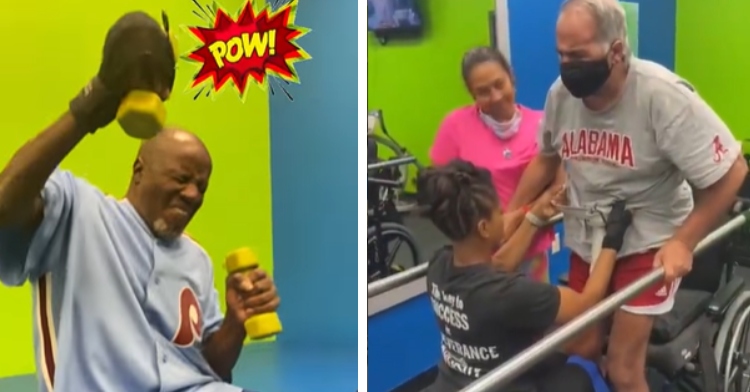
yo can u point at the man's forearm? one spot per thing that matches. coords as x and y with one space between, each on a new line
25 175
537 177
558 181
711 204
512 252
222 349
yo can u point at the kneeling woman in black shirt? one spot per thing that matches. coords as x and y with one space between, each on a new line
487 312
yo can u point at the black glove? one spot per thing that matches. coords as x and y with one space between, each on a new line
137 55
617 224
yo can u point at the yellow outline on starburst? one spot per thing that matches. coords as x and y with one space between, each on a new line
303 55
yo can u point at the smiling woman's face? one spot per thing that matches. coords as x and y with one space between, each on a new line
492 88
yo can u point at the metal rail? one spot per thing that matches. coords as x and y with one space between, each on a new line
382 285
382 182
391 163
507 372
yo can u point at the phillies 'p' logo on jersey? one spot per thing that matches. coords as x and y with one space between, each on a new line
190 327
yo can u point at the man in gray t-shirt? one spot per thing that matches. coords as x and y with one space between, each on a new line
625 128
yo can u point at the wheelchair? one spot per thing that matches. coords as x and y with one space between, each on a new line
701 345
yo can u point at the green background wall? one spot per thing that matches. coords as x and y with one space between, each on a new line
59 51
711 51
416 83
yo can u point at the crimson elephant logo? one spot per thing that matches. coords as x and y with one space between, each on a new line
190 325
719 149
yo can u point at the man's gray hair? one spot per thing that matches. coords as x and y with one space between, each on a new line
610 20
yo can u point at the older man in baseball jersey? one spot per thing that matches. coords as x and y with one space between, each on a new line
625 128
123 300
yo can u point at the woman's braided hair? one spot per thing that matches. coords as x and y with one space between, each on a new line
456 196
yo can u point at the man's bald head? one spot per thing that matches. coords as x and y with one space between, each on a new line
170 178
170 141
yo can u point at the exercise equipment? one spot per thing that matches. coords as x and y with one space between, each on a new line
138 64
262 325
697 347
141 113
377 135
385 232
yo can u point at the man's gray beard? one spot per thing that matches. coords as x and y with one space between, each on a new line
164 232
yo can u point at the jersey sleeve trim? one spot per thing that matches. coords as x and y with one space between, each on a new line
46 329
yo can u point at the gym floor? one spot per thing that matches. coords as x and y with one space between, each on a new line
428 237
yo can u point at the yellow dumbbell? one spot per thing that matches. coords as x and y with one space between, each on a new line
262 325
142 113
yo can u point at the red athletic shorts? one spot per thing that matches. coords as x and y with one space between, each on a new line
655 300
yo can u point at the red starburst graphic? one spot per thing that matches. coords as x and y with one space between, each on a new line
256 45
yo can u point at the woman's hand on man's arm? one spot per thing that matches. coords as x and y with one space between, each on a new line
538 176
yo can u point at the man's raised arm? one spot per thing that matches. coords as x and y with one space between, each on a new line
32 198
35 204
22 180
123 69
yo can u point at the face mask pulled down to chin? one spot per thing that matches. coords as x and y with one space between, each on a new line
584 78
503 129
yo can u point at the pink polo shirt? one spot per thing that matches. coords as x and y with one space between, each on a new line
463 135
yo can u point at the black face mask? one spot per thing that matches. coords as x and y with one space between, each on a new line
584 78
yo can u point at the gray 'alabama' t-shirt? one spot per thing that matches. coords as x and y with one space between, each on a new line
660 134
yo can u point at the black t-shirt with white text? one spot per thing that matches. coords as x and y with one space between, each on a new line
485 318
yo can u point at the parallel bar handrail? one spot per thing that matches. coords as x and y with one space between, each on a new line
382 285
507 372
391 163
380 181
391 282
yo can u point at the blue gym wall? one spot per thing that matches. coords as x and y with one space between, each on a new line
532 42
314 166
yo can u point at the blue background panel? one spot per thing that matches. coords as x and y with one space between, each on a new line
533 51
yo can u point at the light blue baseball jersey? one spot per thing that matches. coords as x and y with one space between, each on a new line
115 309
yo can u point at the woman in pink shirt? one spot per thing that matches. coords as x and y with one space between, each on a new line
498 134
